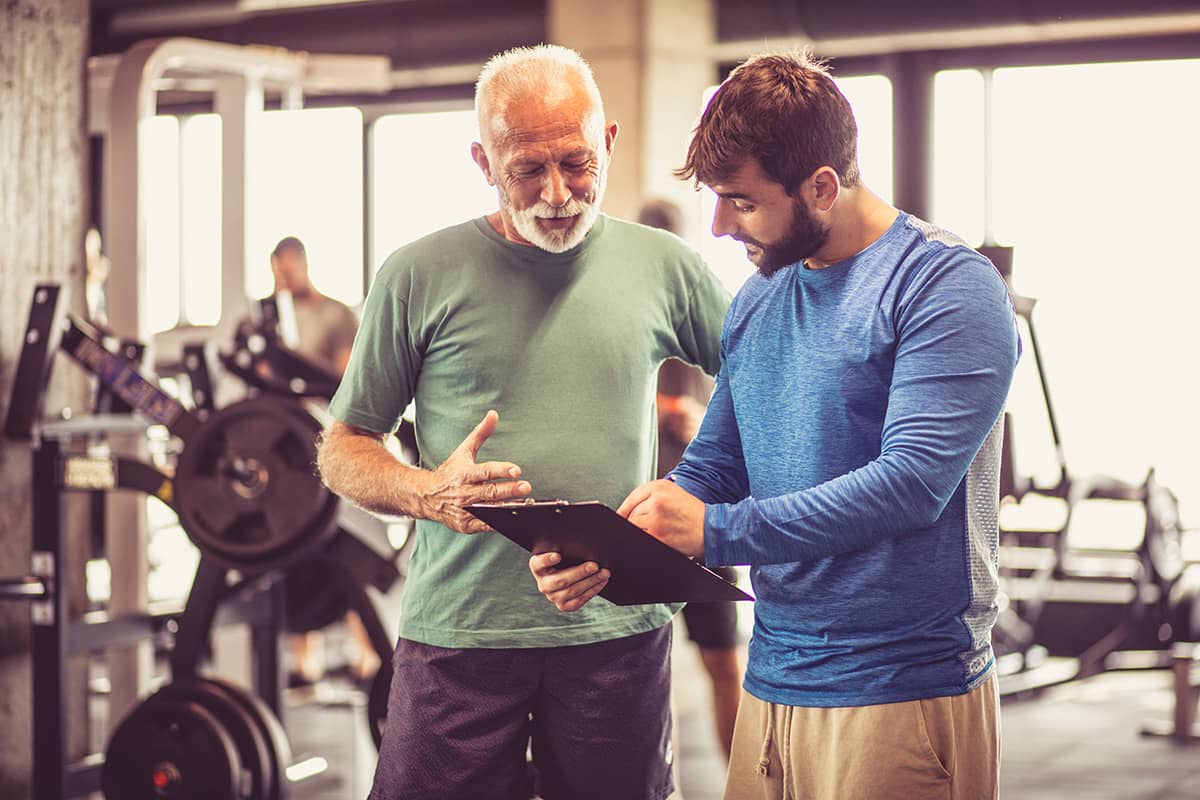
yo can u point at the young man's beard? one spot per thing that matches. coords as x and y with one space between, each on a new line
805 237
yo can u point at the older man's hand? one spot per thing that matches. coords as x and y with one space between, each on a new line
569 588
461 481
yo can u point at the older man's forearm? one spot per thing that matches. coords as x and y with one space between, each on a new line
363 471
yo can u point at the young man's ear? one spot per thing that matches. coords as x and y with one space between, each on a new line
479 156
823 188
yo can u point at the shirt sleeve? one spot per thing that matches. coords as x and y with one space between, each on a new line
956 351
699 331
384 363
713 468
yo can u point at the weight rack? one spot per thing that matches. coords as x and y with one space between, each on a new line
257 596
56 471
54 638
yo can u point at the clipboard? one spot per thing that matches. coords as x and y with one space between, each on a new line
644 570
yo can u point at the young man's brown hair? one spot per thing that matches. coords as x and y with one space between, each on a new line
783 110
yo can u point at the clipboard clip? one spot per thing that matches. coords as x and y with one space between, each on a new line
527 501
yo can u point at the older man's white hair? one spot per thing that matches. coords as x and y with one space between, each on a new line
542 70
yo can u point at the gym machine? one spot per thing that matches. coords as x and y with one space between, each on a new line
320 591
1066 611
246 494
264 358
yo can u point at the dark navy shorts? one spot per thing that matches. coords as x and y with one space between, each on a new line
596 718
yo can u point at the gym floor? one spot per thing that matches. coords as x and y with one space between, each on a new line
1077 740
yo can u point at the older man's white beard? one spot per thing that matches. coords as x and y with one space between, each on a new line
555 241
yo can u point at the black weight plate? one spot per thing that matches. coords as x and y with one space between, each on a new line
269 726
279 511
172 749
255 751
257 522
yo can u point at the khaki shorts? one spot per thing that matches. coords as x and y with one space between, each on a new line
945 748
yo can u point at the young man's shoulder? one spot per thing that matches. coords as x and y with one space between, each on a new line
930 253
939 245
940 270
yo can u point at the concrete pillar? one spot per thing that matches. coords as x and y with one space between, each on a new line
43 208
912 77
652 60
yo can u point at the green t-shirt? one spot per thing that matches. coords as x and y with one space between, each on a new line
566 348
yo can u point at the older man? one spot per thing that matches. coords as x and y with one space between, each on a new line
557 316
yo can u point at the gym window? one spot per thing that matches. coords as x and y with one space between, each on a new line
1114 270
181 180
423 178
303 178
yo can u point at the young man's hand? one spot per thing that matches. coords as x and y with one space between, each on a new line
669 514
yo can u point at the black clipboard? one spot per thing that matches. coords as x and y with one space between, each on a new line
644 570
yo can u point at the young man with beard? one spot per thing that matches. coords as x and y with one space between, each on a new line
849 455
558 317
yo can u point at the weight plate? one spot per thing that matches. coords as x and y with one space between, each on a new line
279 749
246 486
172 749
255 750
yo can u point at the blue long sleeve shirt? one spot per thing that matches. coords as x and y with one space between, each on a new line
850 456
